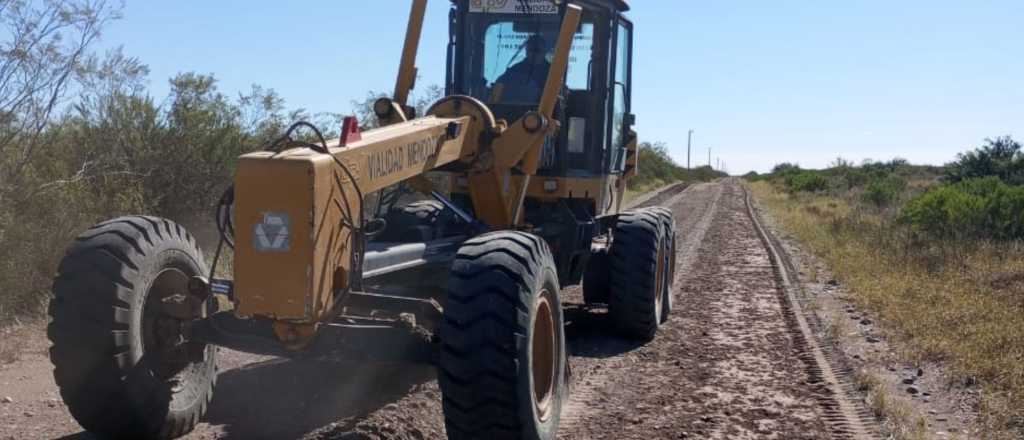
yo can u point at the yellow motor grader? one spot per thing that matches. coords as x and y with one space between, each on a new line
535 144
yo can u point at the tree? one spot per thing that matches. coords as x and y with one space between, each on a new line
44 55
1000 157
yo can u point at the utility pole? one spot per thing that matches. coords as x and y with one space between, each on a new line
689 144
709 157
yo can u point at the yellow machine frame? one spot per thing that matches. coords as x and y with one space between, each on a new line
297 285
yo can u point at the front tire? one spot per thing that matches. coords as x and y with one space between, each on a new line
110 350
503 363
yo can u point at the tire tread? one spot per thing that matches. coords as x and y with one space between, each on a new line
91 314
483 325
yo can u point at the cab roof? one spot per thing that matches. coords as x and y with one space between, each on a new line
621 5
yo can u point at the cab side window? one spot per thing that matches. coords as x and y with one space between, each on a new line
620 94
578 74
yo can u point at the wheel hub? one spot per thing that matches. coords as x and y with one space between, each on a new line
165 319
543 361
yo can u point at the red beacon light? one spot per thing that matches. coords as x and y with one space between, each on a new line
350 131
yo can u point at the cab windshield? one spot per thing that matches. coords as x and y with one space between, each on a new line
512 53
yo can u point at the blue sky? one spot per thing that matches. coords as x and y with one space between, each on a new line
760 82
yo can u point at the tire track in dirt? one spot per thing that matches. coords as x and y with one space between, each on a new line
590 377
849 420
727 365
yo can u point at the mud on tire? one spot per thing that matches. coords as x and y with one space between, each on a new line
503 365
103 334
637 274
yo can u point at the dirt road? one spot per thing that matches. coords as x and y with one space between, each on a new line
730 364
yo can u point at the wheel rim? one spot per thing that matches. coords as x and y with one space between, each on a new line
157 355
167 283
659 282
543 361
670 268
672 263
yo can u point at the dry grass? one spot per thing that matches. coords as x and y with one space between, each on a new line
960 304
634 191
836 330
899 419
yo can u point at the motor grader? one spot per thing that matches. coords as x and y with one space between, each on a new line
534 144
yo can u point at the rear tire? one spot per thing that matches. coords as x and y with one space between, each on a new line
503 364
103 328
637 274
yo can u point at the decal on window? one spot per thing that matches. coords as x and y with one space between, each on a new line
513 6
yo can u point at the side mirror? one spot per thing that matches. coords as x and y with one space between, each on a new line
629 120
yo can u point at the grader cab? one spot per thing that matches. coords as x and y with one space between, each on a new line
533 145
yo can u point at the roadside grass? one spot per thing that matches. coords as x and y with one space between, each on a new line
634 191
959 303
836 330
644 186
899 418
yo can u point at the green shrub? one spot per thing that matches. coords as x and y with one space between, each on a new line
1000 157
656 165
979 208
844 176
656 168
806 181
892 166
944 212
883 191
785 168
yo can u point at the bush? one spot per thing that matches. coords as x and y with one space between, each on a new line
883 191
806 181
785 168
1000 157
844 176
895 165
657 168
979 208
